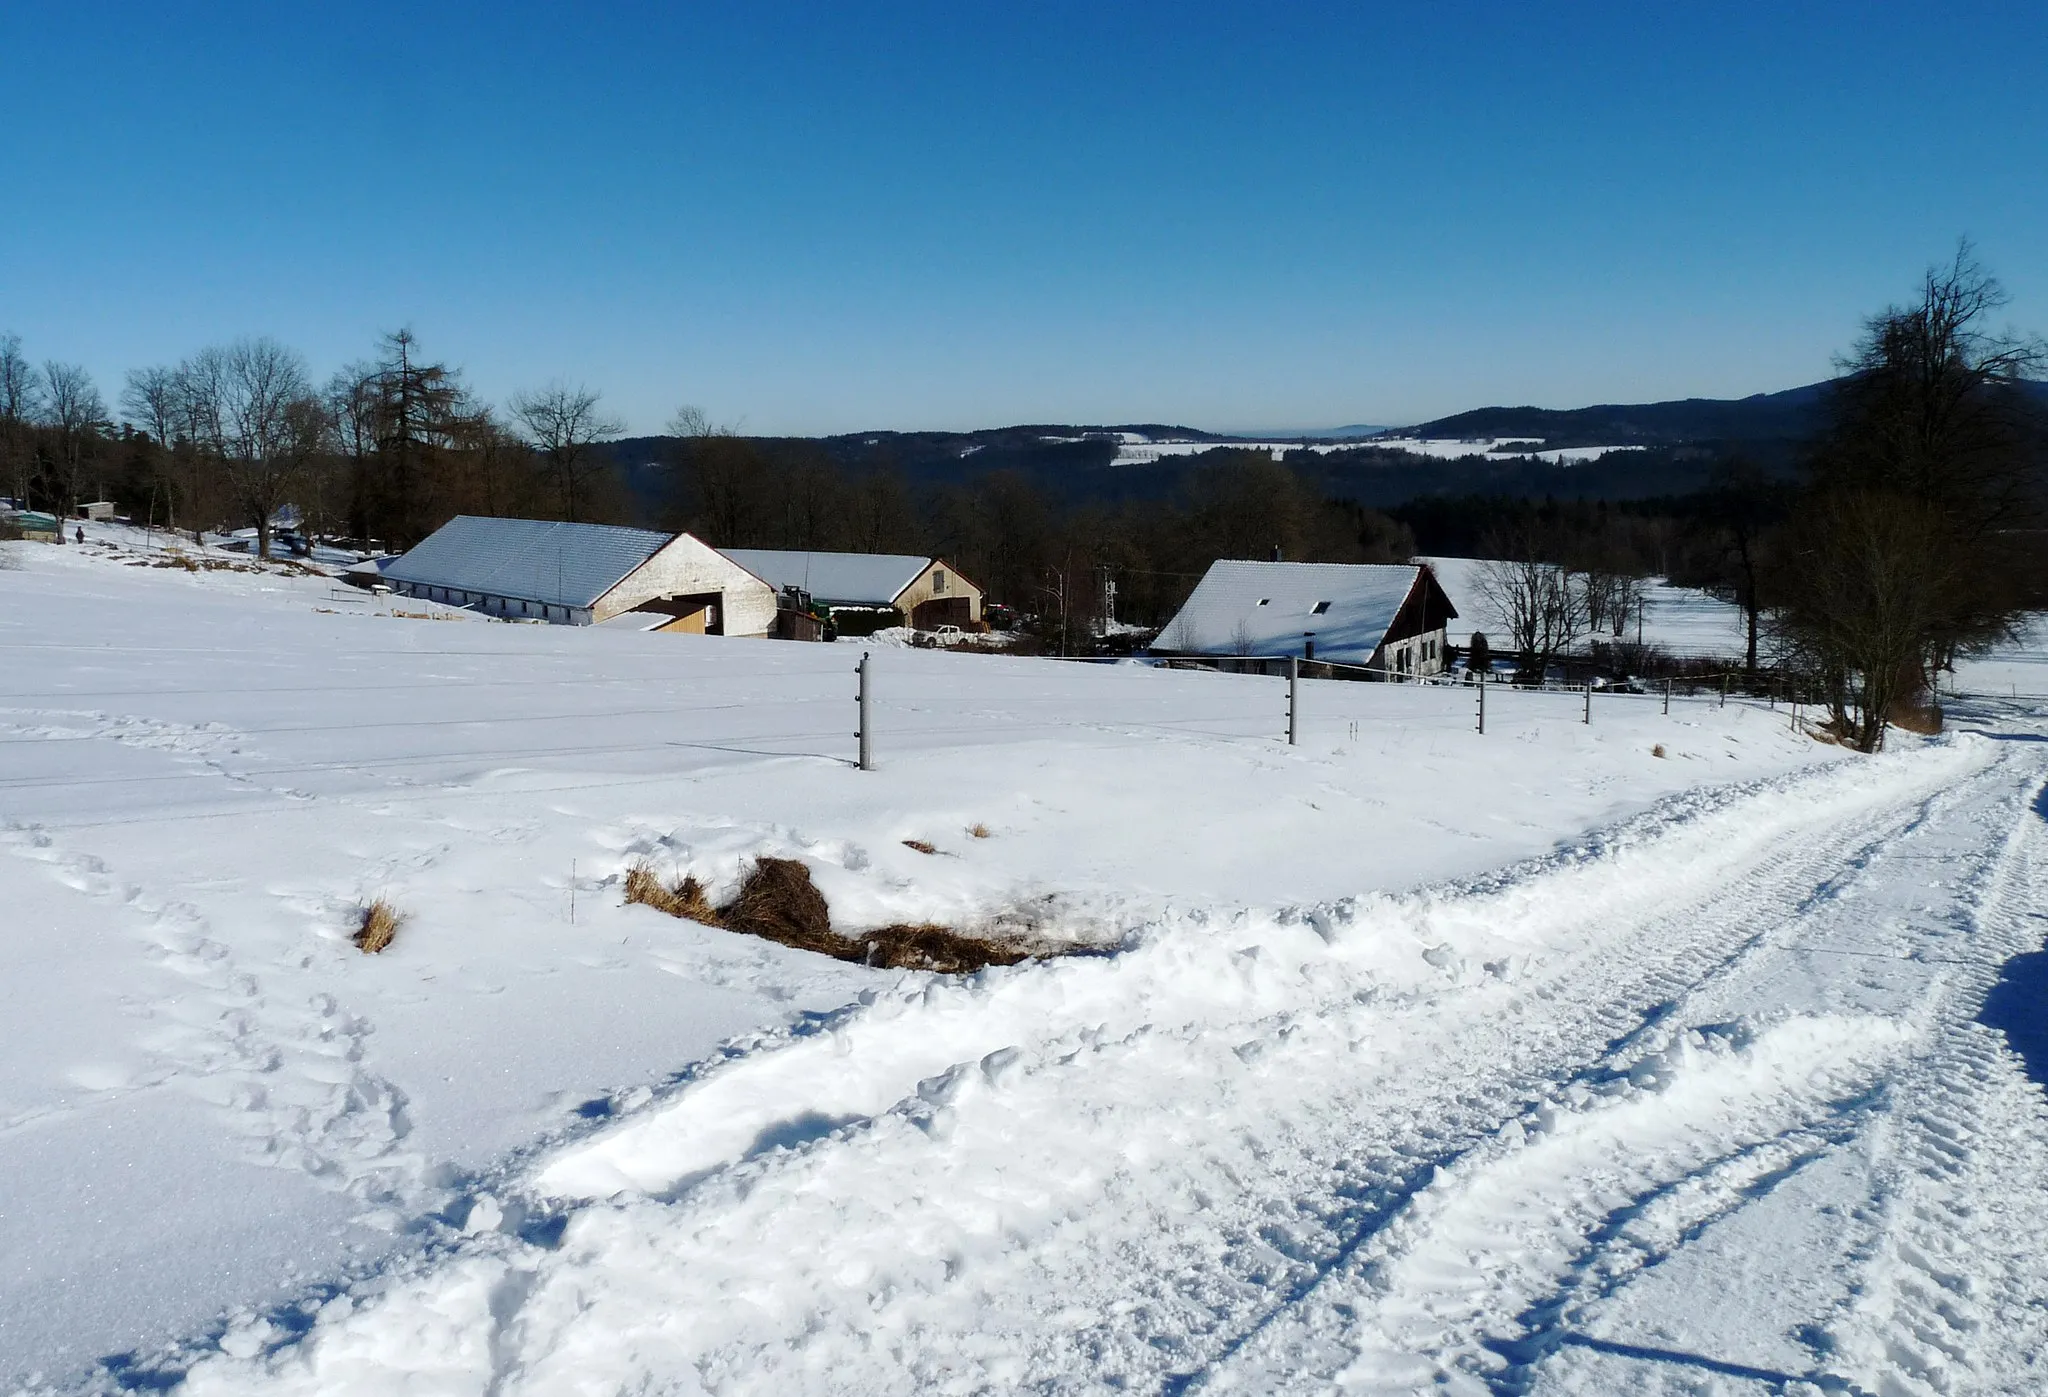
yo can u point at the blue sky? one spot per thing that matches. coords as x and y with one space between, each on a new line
811 219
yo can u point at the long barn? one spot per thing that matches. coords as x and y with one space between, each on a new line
584 574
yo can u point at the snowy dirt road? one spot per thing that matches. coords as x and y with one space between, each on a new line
1702 1104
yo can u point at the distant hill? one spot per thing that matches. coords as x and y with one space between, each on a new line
1792 414
1678 444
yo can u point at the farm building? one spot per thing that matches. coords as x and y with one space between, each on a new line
922 592
580 574
1387 616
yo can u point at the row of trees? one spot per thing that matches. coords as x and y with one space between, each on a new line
386 450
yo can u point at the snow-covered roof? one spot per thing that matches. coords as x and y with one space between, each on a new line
527 559
1244 608
871 579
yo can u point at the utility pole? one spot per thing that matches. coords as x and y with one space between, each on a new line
1059 594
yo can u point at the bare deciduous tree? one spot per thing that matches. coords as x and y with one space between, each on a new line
253 410
1907 548
565 427
75 414
1536 604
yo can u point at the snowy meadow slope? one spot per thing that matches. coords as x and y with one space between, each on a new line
1378 1003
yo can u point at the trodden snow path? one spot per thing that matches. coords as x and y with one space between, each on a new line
1702 1100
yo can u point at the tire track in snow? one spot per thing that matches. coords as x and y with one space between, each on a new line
288 1077
1917 1334
1951 1301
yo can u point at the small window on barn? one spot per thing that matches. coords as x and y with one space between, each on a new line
1319 608
938 579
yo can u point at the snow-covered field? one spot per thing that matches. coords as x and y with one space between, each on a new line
1531 1061
2016 671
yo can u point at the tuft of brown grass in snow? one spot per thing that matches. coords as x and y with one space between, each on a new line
680 897
978 830
1658 750
381 922
921 846
779 902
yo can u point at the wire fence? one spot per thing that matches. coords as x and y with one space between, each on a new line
664 721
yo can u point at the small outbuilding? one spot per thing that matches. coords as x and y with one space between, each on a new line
919 591
1384 616
583 574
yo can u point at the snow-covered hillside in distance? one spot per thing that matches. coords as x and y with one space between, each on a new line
1136 448
1422 1056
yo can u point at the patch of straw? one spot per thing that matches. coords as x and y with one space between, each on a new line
381 922
679 897
978 830
920 845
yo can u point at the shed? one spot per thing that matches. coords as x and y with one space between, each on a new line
925 592
1387 616
579 574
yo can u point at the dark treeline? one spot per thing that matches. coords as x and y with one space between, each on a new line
1029 547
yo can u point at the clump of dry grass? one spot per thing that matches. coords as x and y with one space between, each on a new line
1658 750
921 846
779 903
978 830
679 897
381 922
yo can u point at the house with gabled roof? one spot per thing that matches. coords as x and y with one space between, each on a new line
920 591
1383 616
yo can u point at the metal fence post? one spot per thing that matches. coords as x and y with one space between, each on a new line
1667 698
1588 720
1293 698
1724 691
867 757
1482 704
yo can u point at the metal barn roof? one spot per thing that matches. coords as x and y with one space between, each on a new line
527 559
871 579
1244 608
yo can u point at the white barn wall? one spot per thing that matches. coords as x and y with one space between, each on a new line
686 566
